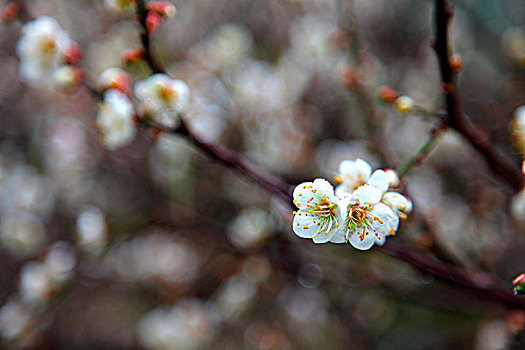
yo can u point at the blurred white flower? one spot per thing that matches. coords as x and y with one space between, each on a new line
368 221
517 206
121 6
22 233
229 44
163 99
115 78
25 189
91 230
234 297
42 49
187 325
36 284
115 120
319 214
60 261
250 228
152 257
14 319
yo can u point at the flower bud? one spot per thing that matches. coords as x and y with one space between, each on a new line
115 78
153 20
73 54
9 13
66 77
163 8
132 55
387 94
519 284
404 104
455 63
349 77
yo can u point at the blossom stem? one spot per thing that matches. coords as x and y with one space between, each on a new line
497 161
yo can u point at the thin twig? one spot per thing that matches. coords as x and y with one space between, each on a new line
149 54
496 160
424 150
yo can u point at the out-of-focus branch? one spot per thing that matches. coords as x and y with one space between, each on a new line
452 273
145 37
424 150
232 159
347 24
496 160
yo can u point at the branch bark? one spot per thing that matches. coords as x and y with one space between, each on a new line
497 161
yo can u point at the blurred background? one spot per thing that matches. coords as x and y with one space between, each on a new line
155 246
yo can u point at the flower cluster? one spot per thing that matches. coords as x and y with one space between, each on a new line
360 211
47 53
161 100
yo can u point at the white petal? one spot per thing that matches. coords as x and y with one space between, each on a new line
303 224
324 187
379 180
387 223
362 169
322 237
364 243
392 177
338 237
397 202
303 195
367 194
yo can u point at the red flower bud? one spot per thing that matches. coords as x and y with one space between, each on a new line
455 63
9 13
163 8
350 77
73 54
132 55
153 20
387 94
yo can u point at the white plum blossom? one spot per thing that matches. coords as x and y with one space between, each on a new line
319 214
115 120
163 99
42 50
114 78
352 174
368 221
362 212
400 204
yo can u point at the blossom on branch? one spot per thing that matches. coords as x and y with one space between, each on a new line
42 49
362 212
368 221
163 99
115 120
319 214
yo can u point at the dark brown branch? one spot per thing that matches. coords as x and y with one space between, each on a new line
497 161
145 37
231 159
485 287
